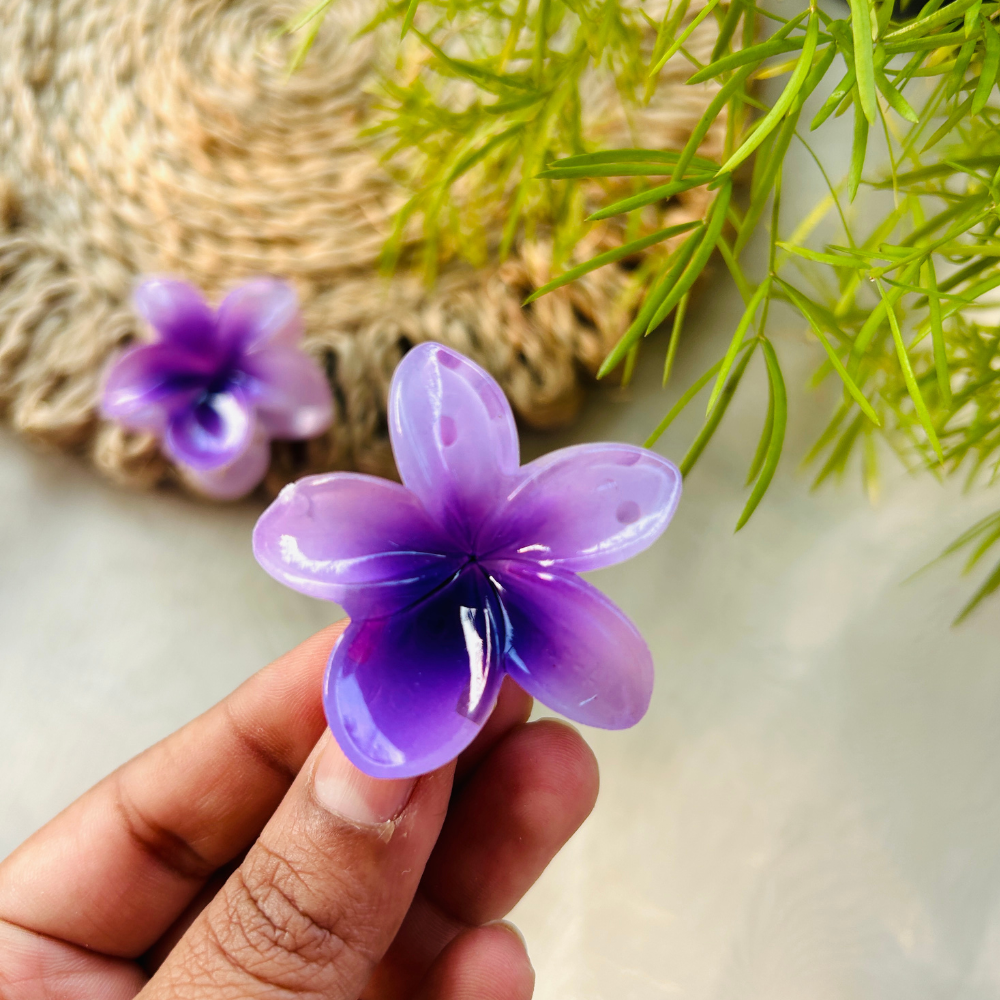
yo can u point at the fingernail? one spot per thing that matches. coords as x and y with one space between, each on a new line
344 790
516 932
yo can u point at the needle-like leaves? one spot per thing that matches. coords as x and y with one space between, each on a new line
924 25
732 86
681 404
675 337
987 587
864 63
807 311
784 102
837 95
778 419
937 333
765 439
988 73
711 425
411 10
675 268
753 54
661 192
610 256
737 342
486 125
858 149
911 383
683 36
712 232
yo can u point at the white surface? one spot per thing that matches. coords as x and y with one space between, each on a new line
811 809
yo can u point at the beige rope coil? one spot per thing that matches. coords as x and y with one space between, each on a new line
165 136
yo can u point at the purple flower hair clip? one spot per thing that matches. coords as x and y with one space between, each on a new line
468 571
217 386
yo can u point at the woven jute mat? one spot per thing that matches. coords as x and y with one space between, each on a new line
165 136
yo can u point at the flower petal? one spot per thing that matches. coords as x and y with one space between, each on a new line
147 385
572 648
363 542
177 311
291 395
453 436
407 693
211 433
230 482
260 312
584 507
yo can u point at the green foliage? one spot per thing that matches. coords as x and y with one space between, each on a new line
894 305
484 95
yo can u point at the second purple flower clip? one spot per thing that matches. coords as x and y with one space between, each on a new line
217 386
468 571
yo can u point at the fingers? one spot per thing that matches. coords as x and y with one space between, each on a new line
487 963
525 801
512 709
516 810
114 870
32 966
319 897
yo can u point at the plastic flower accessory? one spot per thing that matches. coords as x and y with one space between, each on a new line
218 385
468 571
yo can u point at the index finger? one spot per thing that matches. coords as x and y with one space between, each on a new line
115 869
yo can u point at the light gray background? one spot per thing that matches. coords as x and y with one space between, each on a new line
811 808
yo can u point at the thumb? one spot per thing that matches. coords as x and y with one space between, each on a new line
320 896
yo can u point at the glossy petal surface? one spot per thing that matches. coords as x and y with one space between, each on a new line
467 572
585 507
147 384
178 313
453 436
261 312
407 693
572 648
230 482
211 433
290 393
363 542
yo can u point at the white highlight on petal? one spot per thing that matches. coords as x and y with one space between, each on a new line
477 660
294 556
361 726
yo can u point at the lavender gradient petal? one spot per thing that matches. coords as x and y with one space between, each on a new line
230 482
291 395
211 433
571 648
147 385
584 507
261 312
363 542
453 436
177 311
407 693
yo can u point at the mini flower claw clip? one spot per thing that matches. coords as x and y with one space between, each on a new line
468 571
218 385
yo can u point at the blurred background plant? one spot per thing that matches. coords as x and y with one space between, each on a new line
481 113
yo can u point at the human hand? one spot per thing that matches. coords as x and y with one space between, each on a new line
240 857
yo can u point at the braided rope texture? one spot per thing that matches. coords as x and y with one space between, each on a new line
166 136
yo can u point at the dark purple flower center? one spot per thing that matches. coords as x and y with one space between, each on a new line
207 416
209 388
